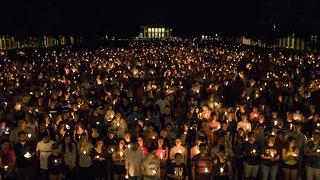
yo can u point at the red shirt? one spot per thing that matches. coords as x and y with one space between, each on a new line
8 157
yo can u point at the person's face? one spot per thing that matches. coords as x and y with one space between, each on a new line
21 123
46 139
134 146
178 159
5 146
203 150
293 143
252 138
178 141
140 141
160 141
23 137
272 140
99 143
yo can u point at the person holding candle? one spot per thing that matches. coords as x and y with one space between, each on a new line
177 170
118 158
43 151
270 156
25 158
244 124
56 163
69 151
119 125
223 167
7 158
251 159
142 146
202 164
84 150
178 148
133 159
99 157
162 154
312 153
290 158
150 166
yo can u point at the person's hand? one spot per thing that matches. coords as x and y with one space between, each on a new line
102 159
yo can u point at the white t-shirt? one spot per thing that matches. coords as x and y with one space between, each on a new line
45 151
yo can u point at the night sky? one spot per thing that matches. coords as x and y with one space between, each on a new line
123 17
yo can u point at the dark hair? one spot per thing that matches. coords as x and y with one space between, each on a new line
164 144
64 145
202 145
290 138
177 154
250 134
4 141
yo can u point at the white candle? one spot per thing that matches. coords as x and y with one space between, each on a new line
127 177
129 146
197 151
29 135
275 123
55 161
206 170
27 155
84 152
272 155
254 151
221 170
154 172
5 168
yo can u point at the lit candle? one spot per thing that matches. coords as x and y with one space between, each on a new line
275 123
118 124
221 170
127 177
290 126
7 131
112 149
254 151
67 126
27 155
154 172
206 170
5 168
55 161
97 157
29 135
129 146
272 154
318 124
84 152
97 122
318 150
153 137
197 151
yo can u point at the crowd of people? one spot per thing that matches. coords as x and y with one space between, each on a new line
167 109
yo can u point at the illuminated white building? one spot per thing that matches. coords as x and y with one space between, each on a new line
155 31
